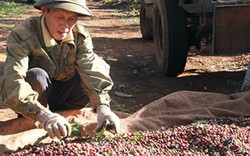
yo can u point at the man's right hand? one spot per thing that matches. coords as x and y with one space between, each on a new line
55 124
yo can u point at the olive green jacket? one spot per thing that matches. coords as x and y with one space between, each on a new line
26 49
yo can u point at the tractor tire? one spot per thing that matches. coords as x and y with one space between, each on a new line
146 21
170 37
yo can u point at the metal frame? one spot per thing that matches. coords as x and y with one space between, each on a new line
231 25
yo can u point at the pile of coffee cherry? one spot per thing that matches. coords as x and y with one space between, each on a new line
222 136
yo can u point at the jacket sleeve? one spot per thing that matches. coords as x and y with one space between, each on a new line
16 92
94 71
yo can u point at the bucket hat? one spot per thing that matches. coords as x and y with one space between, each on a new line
77 6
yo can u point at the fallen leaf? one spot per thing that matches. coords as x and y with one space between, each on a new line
123 94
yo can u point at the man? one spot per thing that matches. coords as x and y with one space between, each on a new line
51 66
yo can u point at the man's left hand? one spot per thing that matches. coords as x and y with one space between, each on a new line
106 116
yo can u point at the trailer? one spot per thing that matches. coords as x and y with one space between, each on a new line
175 25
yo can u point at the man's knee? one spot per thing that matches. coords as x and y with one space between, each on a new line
37 78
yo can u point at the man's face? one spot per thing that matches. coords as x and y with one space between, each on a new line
59 22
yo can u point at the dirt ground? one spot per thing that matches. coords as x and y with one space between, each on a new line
117 38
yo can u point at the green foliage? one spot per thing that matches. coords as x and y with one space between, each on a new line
75 129
75 132
9 7
135 1
130 1
107 1
130 8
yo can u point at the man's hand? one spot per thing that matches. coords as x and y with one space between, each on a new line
245 86
55 124
246 83
106 116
